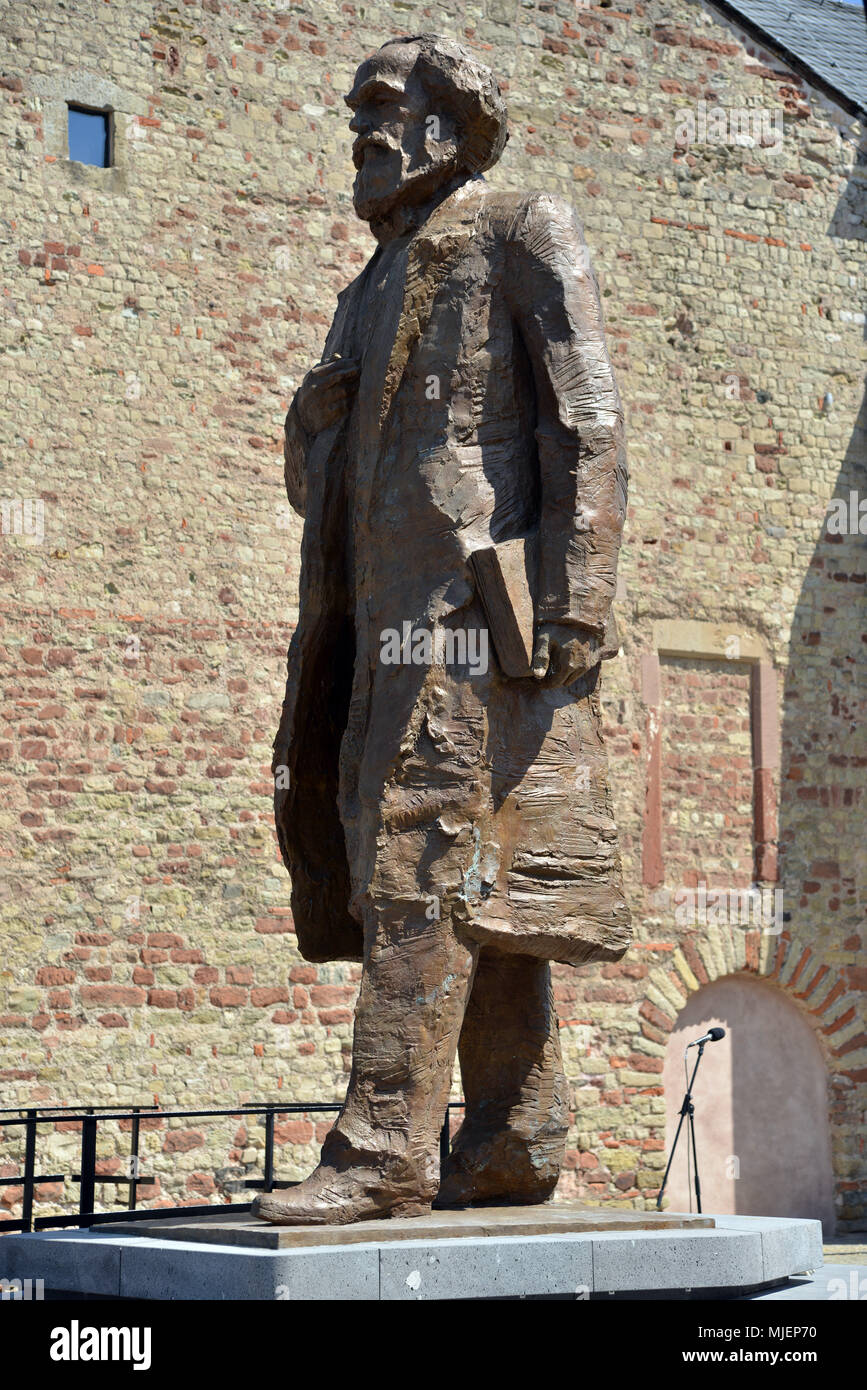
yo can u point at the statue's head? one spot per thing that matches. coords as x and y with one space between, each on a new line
426 113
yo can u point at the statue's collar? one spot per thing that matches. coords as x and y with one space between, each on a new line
405 220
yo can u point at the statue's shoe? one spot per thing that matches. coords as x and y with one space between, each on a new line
469 1180
332 1198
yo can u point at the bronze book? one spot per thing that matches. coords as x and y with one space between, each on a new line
502 573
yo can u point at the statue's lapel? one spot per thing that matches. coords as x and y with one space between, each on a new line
324 459
341 334
433 254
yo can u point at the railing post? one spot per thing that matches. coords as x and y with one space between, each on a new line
29 1169
88 1169
133 1158
269 1150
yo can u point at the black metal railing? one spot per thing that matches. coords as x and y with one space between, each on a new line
91 1116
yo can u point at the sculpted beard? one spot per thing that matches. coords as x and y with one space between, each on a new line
388 174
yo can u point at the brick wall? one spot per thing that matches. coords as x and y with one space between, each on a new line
707 774
156 319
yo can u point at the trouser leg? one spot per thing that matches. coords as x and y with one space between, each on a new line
415 982
382 1155
511 1144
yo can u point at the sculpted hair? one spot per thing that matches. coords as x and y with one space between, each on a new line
457 81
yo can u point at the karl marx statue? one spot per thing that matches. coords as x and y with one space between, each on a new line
441 800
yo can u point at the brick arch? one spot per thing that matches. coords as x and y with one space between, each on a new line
825 993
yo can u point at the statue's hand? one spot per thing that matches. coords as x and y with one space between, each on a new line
326 394
562 652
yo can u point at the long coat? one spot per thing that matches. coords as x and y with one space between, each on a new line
486 410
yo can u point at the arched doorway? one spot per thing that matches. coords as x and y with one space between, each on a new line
762 1131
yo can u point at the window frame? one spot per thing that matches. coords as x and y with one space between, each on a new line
107 112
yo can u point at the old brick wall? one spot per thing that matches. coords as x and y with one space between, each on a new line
156 319
707 777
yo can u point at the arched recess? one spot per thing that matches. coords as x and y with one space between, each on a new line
762 1105
829 998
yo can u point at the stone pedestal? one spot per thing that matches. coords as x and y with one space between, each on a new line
531 1252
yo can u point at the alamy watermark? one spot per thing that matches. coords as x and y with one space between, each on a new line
847 516
77 1343
755 127
22 1290
23 516
444 646
761 908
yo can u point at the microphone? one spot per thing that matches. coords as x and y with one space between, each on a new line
713 1035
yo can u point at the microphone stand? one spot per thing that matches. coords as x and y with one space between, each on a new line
687 1112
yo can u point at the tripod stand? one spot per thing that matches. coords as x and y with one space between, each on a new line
687 1112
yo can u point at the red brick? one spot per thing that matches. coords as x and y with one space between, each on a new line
202 1183
293 1131
303 974
330 1017
274 925
239 975
54 975
263 996
326 996
128 996
228 997
163 998
181 1141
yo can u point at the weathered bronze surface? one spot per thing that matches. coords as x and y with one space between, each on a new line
446 823
554 1218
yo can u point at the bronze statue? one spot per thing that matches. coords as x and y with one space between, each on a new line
440 774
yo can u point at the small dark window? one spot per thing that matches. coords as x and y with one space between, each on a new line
90 136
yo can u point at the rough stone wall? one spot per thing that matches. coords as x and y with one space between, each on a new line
156 319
